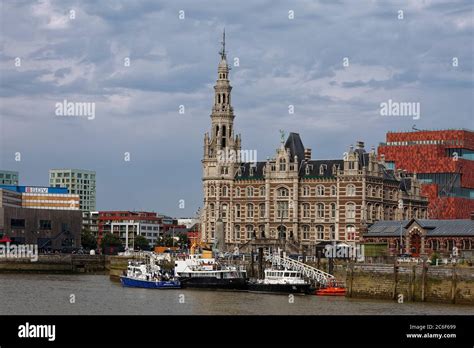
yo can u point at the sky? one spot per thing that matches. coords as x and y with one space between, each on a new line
138 61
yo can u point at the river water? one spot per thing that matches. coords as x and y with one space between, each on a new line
95 294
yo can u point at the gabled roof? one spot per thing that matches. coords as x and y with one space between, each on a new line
296 146
434 228
315 165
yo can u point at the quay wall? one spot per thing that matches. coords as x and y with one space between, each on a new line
442 284
56 263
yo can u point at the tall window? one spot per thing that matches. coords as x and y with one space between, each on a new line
237 211
305 229
369 190
282 209
320 211
283 192
250 231
224 210
332 231
333 210
212 191
306 210
282 164
211 209
320 232
350 232
250 210
249 191
237 191
262 191
320 190
322 169
261 208
350 211
306 191
333 190
224 191
237 232
350 190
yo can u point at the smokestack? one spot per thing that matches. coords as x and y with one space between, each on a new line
307 154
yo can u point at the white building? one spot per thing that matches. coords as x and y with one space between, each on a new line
78 181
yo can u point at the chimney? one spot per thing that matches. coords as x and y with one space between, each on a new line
360 144
307 154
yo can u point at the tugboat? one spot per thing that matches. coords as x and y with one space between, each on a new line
142 275
199 271
281 281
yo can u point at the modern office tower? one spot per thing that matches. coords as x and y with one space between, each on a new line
8 177
78 181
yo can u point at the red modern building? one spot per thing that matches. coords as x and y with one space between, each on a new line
443 160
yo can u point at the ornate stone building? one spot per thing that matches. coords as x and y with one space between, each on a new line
292 197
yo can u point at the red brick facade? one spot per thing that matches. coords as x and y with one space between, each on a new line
430 152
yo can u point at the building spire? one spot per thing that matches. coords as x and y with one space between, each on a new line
222 52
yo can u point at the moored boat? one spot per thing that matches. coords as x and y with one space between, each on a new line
142 275
281 281
333 288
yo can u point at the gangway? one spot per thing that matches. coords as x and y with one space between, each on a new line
306 270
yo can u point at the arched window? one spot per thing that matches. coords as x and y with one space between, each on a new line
320 232
333 190
369 190
305 229
322 169
225 191
350 190
237 191
350 211
250 231
370 209
262 191
306 210
212 191
224 211
211 209
320 211
333 210
249 191
332 230
282 164
261 231
320 190
434 244
250 210
282 192
306 190
350 232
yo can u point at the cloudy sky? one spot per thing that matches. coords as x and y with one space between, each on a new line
47 57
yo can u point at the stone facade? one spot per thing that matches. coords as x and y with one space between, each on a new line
291 197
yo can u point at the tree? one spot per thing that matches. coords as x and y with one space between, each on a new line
88 240
110 240
141 243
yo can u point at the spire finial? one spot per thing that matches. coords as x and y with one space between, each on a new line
222 52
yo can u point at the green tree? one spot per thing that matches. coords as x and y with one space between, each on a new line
141 243
110 240
88 239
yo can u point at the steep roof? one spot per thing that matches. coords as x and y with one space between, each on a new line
296 146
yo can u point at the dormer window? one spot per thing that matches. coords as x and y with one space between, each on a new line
251 170
334 169
306 170
239 171
322 169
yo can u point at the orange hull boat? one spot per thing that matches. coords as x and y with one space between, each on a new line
331 292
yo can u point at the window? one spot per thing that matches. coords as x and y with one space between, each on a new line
250 210
262 191
306 170
322 169
333 210
237 211
305 229
224 191
350 211
45 224
282 209
211 209
320 232
282 164
237 232
350 232
212 191
320 190
333 190
237 191
306 210
250 231
434 244
320 211
334 169
17 223
332 230
261 208
283 192
306 191
249 191
224 170
350 190
369 190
